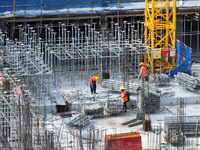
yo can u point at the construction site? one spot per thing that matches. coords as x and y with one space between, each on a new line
99 75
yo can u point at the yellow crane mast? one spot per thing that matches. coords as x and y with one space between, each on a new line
160 35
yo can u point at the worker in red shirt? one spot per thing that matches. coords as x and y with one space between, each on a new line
143 73
124 97
92 82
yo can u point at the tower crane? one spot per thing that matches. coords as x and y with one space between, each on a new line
160 35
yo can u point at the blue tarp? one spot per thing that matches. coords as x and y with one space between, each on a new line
26 5
34 7
183 59
30 8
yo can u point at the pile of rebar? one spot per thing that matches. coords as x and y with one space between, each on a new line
114 85
79 121
114 107
187 81
159 79
93 109
149 102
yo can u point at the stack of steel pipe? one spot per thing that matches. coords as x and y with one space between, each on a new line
114 107
94 110
79 121
159 79
187 81
167 93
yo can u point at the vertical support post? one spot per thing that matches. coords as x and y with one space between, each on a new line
41 18
167 25
174 23
191 33
184 29
67 12
198 36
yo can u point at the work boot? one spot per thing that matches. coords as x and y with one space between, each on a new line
95 92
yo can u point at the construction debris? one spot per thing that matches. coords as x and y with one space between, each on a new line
188 82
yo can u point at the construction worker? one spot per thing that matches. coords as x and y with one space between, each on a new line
124 97
143 73
92 82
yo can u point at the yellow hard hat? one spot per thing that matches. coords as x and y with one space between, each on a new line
122 88
96 78
141 64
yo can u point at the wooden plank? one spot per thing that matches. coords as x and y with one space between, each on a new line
130 121
37 118
135 123
64 113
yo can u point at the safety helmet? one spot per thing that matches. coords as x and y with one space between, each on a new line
121 88
141 64
96 78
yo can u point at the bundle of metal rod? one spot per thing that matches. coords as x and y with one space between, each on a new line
149 102
159 79
187 81
114 106
79 121
93 109
114 85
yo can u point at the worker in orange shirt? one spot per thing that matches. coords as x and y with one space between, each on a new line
92 82
143 73
124 97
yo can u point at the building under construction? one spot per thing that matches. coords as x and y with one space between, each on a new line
49 49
